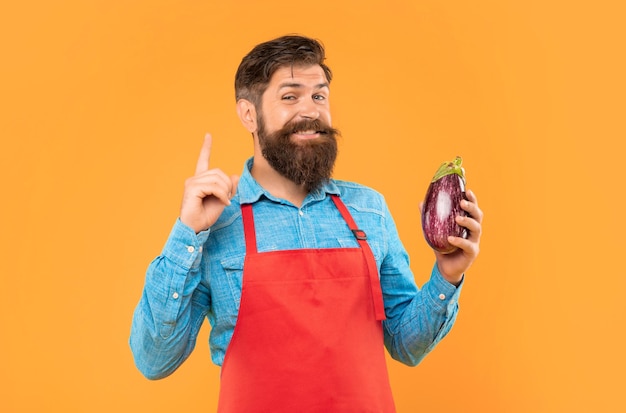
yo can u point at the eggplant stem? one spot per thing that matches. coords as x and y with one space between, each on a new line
449 168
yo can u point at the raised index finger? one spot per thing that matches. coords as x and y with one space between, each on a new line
205 155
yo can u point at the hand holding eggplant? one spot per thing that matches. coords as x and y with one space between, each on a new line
451 221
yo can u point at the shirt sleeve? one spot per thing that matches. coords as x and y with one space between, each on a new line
172 307
417 319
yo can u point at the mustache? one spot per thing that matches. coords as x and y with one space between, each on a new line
316 125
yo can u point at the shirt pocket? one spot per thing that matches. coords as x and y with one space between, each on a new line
375 246
348 242
233 271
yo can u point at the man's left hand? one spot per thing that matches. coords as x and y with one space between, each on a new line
452 266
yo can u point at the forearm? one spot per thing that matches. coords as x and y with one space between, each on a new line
171 310
425 319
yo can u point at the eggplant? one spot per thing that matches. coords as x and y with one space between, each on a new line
442 204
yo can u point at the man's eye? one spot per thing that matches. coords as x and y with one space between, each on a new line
319 97
289 97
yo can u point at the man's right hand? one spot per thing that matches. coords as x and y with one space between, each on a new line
207 193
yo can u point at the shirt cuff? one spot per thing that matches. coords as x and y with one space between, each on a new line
441 292
184 246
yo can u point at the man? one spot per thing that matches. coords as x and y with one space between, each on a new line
303 278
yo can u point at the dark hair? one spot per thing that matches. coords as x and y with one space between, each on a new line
258 66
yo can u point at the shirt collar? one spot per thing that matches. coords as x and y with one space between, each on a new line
249 191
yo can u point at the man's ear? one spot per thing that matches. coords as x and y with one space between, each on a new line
247 115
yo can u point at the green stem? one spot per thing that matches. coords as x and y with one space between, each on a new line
448 168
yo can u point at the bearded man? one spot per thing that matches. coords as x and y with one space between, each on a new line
302 277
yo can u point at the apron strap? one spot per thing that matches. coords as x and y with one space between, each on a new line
361 237
248 228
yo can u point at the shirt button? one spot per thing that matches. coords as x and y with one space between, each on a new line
190 248
442 296
301 213
175 296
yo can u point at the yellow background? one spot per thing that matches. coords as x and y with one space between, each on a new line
104 105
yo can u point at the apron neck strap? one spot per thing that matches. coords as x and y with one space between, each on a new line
361 237
248 228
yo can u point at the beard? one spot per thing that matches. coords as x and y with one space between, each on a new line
308 162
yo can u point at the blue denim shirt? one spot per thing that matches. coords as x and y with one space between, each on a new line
200 275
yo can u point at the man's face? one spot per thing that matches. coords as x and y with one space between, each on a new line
294 129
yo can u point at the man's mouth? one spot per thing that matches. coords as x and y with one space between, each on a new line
307 134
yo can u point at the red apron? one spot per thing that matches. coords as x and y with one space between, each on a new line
308 337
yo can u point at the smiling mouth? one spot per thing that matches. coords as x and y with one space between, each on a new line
308 134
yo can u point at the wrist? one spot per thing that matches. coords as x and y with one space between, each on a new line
454 279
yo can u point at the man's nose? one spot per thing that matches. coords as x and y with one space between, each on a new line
309 110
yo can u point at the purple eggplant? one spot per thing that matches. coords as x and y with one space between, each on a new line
442 204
